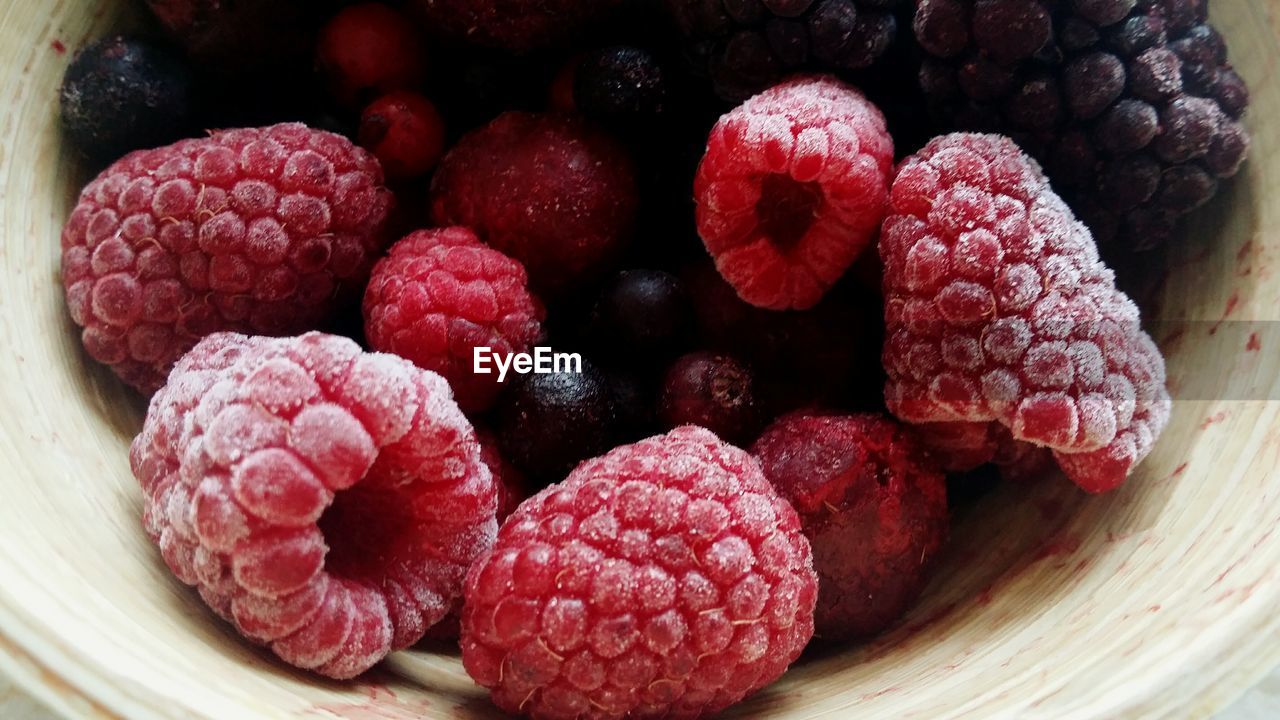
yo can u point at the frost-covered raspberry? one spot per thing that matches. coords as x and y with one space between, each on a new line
252 230
438 296
325 501
874 510
663 579
792 189
1132 105
998 309
549 190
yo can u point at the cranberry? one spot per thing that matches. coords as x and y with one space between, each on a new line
405 131
368 50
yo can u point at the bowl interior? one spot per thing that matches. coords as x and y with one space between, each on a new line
1148 601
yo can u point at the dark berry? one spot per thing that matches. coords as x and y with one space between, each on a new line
548 423
121 94
368 50
1132 105
714 391
640 316
745 46
620 84
405 131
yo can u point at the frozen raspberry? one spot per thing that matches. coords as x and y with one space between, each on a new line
664 579
548 190
368 50
792 189
548 423
121 94
438 296
1133 107
516 26
712 391
874 510
405 132
253 230
746 46
325 501
998 310
241 38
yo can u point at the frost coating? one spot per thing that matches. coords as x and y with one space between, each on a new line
998 309
325 501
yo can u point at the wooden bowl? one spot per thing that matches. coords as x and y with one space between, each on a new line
1160 599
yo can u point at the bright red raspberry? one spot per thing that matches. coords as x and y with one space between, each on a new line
439 295
253 230
792 189
406 133
325 501
516 26
874 510
549 190
997 309
663 579
368 50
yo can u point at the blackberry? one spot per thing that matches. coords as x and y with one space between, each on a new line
121 94
748 45
1131 105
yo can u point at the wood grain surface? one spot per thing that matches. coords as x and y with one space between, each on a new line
1159 600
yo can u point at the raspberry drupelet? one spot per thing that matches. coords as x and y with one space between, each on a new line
549 190
325 501
792 189
873 507
1132 105
663 579
998 310
252 230
440 294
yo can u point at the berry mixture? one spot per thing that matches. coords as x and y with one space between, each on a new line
1132 106
324 501
252 230
998 309
873 507
792 189
441 294
663 579
585 216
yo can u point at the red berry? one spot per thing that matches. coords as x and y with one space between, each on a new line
549 190
713 391
998 309
438 296
368 50
792 189
405 131
873 509
508 479
663 579
325 501
252 230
